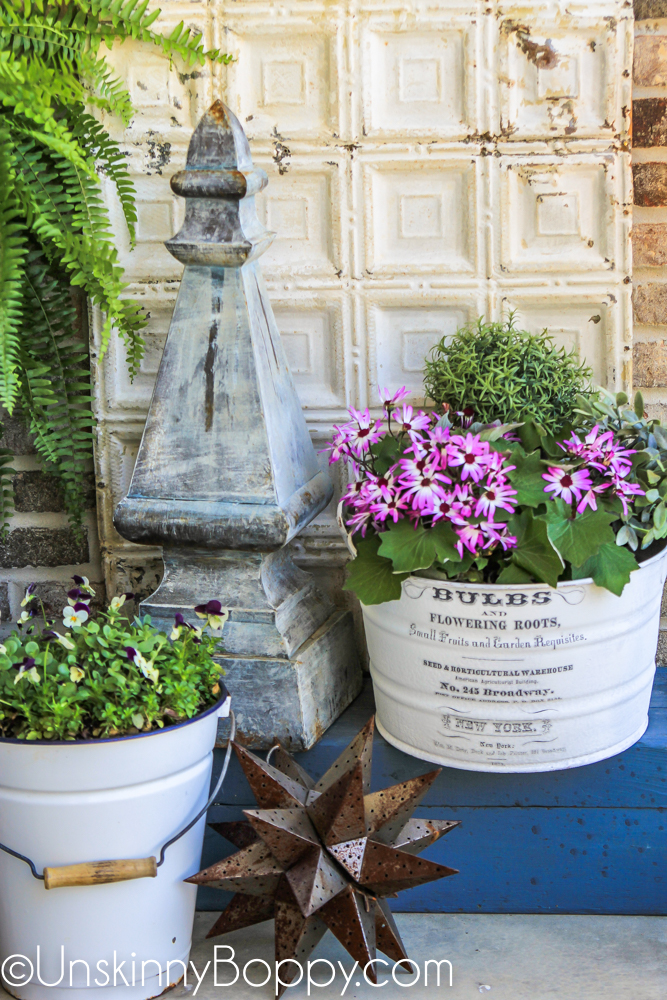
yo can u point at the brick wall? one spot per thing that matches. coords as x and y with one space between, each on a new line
41 546
649 229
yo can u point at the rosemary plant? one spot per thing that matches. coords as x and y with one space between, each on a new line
506 374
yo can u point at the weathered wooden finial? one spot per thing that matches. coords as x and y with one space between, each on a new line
226 472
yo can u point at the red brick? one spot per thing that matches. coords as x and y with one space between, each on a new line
650 61
650 182
649 122
650 303
649 363
649 244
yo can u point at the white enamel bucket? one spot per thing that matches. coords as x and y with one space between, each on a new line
63 803
520 678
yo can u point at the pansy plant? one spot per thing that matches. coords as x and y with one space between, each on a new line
100 675
438 495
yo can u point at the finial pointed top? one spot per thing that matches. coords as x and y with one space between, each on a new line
219 174
219 142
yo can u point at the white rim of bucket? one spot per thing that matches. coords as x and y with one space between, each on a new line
116 739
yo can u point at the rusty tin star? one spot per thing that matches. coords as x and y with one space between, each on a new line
325 854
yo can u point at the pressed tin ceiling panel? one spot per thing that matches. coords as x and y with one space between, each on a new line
428 163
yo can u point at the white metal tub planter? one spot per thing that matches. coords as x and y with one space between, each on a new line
108 731
510 573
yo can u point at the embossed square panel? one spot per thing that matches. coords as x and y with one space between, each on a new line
421 216
419 79
298 207
562 76
165 98
312 338
122 394
400 337
282 83
159 216
155 221
583 321
558 214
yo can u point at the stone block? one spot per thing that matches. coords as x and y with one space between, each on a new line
649 244
39 492
54 597
650 61
650 184
44 547
648 9
649 303
16 436
649 365
649 122
293 701
5 613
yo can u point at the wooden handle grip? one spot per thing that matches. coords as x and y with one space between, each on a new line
97 872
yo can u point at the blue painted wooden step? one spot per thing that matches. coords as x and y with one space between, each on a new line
587 840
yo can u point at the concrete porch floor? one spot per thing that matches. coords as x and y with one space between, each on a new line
496 956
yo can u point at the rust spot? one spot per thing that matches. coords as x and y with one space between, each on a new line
217 112
281 153
544 56
209 363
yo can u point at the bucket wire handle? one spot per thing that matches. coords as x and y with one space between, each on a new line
97 872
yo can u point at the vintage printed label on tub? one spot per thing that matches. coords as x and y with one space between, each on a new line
510 668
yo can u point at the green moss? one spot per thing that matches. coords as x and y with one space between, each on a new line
507 374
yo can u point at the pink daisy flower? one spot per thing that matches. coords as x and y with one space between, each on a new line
410 422
567 485
470 453
497 496
425 489
471 537
589 499
382 487
360 522
625 491
393 508
362 431
390 399
497 534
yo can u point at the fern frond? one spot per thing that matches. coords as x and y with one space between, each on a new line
12 252
107 154
56 388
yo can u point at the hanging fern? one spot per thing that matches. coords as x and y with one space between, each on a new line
55 234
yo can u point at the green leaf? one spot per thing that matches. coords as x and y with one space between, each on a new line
639 405
527 479
444 540
531 435
409 548
514 574
580 538
371 577
534 552
386 452
610 568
